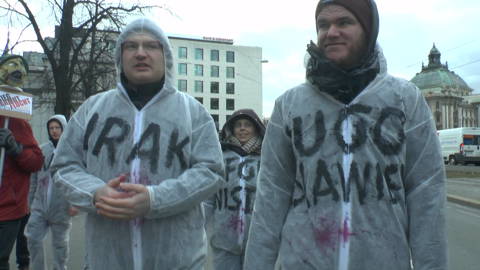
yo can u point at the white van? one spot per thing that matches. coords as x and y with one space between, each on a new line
460 145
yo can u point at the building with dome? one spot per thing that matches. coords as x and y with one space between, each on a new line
449 97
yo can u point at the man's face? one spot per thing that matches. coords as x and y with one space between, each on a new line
13 72
340 36
55 130
142 59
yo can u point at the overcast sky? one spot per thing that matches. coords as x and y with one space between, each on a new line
408 29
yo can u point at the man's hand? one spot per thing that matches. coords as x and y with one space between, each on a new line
130 202
8 141
72 211
111 189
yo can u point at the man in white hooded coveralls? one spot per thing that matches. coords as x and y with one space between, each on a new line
140 159
351 174
48 207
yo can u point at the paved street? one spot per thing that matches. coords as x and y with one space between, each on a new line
464 187
463 224
77 246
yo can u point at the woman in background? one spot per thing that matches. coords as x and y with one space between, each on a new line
229 210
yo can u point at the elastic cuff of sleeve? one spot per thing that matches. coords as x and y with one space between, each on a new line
151 195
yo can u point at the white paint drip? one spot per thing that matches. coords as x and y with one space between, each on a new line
135 224
343 233
241 211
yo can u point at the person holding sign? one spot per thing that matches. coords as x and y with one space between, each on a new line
140 159
352 176
228 213
22 157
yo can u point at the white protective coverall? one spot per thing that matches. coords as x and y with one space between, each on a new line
229 211
350 186
49 209
170 145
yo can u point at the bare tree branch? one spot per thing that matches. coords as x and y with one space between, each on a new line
19 36
80 54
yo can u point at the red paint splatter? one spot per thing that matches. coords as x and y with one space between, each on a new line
236 224
144 180
43 186
141 179
326 234
345 232
44 181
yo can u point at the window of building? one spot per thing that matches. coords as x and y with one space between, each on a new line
198 86
230 104
214 103
182 85
230 88
228 117
230 72
214 55
214 71
198 70
198 54
182 68
182 52
215 118
200 99
230 57
214 87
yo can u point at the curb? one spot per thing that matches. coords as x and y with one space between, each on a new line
463 201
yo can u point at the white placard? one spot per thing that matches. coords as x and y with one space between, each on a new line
15 103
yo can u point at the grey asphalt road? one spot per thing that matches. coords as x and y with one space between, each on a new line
463 225
464 187
77 246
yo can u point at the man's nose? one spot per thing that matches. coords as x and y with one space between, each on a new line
140 51
333 31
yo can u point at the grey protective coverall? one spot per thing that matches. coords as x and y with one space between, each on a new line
356 186
49 209
170 145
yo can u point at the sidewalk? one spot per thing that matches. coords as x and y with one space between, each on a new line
463 201
464 191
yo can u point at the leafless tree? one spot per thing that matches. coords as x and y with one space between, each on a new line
79 53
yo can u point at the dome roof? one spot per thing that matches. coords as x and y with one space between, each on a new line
434 50
438 76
